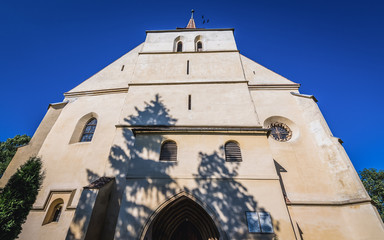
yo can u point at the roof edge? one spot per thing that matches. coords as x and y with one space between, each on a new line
190 30
304 96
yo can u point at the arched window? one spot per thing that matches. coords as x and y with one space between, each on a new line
199 46
232 152
179 46
168 151
199 43
89 130
57 212
54 211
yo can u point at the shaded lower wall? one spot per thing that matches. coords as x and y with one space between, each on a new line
91 212
349 222
225 200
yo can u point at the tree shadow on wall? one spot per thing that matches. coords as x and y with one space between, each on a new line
133 160
149 180
141 179
228 197
155 113
130 156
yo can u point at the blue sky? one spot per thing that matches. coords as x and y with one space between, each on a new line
335 49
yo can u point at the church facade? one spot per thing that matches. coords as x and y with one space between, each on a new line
185 138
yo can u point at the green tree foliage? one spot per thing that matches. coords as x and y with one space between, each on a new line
9 148
373 181
18 196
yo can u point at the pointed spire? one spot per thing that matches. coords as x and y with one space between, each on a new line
191 23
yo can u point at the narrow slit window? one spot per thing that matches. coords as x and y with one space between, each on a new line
57 213
189 102
168 151
187 67
232 152
122 68
179 46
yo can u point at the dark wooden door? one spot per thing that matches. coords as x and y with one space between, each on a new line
186 231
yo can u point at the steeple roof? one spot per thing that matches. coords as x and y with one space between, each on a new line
191 23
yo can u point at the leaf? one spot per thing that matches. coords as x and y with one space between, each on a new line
373 181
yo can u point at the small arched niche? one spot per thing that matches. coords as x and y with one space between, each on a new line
80 127
178 44
181 218
199 43
54 211
199 46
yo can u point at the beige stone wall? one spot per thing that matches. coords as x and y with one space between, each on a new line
210 105
114 75
75 165
312 153
172 67
355 222
327 199
34 229
72 165
256 74
213 40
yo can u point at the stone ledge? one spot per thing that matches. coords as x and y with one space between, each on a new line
329 203
294 86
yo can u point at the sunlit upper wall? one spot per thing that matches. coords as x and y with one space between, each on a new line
211 39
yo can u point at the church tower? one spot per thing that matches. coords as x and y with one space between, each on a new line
183 137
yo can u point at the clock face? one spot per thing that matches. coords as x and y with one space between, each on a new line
280 132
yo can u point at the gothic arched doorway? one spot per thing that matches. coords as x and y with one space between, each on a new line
182 219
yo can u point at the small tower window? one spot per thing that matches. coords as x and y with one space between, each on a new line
199 47
168 151
54 211
57 212
232 152
89 130
198 43
179 46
